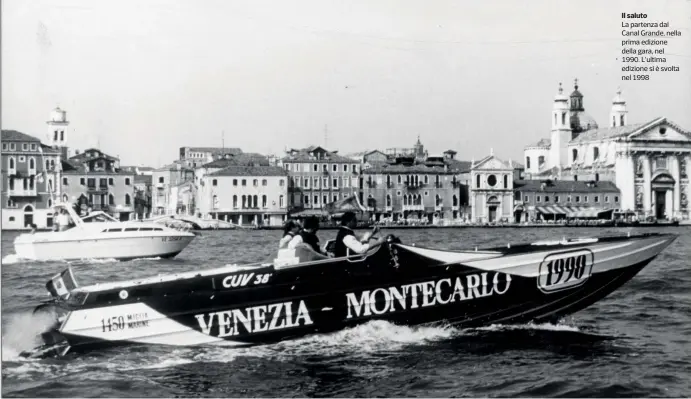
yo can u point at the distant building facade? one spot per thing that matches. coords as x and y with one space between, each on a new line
647 161
97 176
317 177
30 181
245 195
166 183
492 190
193 157
559 199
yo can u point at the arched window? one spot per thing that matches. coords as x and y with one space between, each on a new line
477 181
215 202
405 200
11 184
65 198
455 201
388 200
621 120
55 135
555 119
50 203
597 177
614 121
280 201
437 200
540 161
244 201
128 200
506 181
527 162
32 163
563 118
11 162
235 201
28 209
111 199
264 201
62 135
596 153
256 201
574 154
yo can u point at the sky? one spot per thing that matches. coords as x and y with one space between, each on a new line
141 78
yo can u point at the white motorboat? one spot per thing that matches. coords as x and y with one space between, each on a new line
100 236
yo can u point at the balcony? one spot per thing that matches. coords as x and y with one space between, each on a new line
97 189
388 208
412 186
413 207
17 192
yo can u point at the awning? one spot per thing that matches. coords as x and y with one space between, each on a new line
572 211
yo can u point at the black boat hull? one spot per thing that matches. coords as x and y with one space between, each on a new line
402 284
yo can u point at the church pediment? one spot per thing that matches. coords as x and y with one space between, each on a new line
663 178
492 163
662 131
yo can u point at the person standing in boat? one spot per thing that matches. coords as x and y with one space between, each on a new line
308 235
290 230
346 239
63 220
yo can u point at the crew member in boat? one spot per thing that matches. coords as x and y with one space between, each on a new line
63 220
308 236
346 239
290 231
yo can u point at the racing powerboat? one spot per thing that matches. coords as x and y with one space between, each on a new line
303 293
100 236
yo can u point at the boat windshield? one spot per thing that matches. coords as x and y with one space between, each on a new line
98 217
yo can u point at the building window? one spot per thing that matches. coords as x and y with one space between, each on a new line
127 181
161 179
255 182
307 183
400 179
492 180
256 203
575 177
574 155
111 199
525 199
12 147
546 198
326 183
22 159
307 199
244 183
578 198
426 179
563 118
506 181
110 181
597 177
316 182
316 200
214 182
527 162
214 202
537 198
325 200
585 198
264 182
477 180
127 199
335 168
616 199
596 199
315 168
398 193
556 199
345 167
621 120
607 198
568 198
82 181
614 121
282 182
334 183
32 163
596 153
4 146
235 182
235 201
263 201
244 201
25 147
280 201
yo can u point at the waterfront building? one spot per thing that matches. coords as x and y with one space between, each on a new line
30 180
193 157
491 190
317 177
558 199
410 184
647 161
97 177
245 195
142 196
169 181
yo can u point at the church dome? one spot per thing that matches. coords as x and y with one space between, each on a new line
581 121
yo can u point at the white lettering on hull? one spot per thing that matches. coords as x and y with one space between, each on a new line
277 316
425 294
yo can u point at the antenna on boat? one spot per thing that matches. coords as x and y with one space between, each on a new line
508 245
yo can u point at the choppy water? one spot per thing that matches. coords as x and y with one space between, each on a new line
636 342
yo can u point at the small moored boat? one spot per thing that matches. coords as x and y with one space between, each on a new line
298 294
100 236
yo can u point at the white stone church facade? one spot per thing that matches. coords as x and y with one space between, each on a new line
647 161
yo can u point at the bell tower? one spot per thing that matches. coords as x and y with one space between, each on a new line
618 115
561 130
56 136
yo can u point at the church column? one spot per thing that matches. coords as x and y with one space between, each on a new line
647 188
676 174
631 179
